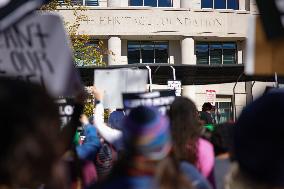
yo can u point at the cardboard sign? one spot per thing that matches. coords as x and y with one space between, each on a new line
272 15
36 50
211 97
12 11
264 57
175 85
160 99
66 109
114 82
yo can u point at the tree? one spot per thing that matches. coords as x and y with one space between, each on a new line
85 54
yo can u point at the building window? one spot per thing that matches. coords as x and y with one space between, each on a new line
220 4
147 52
151 3
223 112
216 53
82 2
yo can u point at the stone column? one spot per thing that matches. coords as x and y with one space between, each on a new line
244 5
187 51
253 7
241 52
113 3
185 4
188 57
124 3
114 46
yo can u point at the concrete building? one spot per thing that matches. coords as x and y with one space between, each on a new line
177 32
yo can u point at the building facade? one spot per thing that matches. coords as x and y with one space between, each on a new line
190 32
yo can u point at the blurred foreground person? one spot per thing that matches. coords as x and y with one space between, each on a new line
222 142
147 144
187 143
258 145
30 128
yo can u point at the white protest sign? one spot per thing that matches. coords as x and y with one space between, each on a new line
175 85
114 82
36 50
211 96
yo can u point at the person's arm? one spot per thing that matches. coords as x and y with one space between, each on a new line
91 145
192 174
109 134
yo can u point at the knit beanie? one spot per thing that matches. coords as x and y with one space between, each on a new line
115 119
147 132
259 139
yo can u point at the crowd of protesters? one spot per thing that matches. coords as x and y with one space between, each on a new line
143 149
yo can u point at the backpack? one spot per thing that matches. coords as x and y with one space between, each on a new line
105 160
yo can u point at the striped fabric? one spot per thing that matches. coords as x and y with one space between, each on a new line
105 159
147 131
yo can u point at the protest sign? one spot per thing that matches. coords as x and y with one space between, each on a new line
36 50
175 85
264 57
211 97
114 82
66 109
160 99
272 15
12 11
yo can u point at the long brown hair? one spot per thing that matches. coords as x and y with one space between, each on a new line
185 129
169 175
166 172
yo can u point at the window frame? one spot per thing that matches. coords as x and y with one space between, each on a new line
143 4
154 49
209 47
229 108
84 3
209 53
226 6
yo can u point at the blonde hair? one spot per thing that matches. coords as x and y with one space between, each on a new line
236 179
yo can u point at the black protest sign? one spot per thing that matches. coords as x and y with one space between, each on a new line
272 15
160 99
66 109
36 50
12 11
